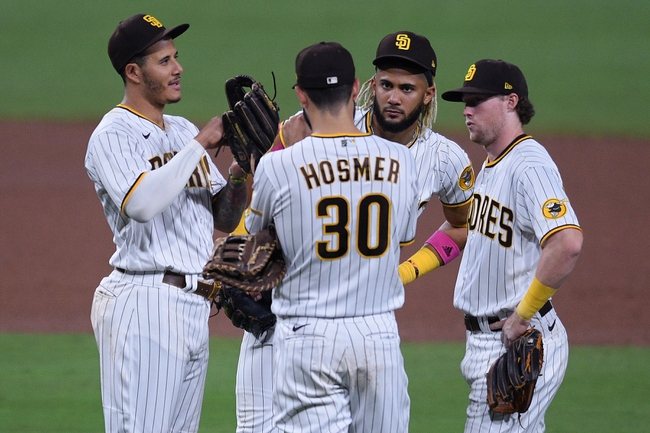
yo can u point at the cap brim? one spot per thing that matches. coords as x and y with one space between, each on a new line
456 95
174 32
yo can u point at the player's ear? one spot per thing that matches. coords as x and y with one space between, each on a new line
512 101
355 89
429 94
302 96
132 72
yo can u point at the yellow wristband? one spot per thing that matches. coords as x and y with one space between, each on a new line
534 299
407 272
418 264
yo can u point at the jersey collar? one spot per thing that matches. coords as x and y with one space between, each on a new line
360 134
141 115
507 150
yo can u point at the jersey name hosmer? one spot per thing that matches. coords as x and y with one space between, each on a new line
490 218
356 169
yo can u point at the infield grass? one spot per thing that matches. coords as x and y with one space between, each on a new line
584 60
50 383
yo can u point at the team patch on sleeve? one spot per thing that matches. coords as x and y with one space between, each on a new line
554 208
466 179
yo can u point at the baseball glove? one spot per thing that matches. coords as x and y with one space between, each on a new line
251 124
244 312
252 263
511 379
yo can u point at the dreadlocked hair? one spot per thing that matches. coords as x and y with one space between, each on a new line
366 98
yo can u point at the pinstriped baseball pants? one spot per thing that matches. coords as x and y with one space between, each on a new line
340 375
483 348
153 342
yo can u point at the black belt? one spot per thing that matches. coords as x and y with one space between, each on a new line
204 288
472 323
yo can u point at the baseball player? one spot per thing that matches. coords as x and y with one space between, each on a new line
162 197
343 201
399 104
523 242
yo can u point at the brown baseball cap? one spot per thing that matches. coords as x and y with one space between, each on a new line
134 35
324 65
406 46
492 77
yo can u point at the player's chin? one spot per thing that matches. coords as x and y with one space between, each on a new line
174 99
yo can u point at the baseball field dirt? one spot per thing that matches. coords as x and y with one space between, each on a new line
55 243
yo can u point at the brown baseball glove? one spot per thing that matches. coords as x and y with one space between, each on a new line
511 379
252 263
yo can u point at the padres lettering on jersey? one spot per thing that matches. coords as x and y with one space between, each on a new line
492 219
200 178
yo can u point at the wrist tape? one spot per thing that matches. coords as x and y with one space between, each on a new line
536 296
417 265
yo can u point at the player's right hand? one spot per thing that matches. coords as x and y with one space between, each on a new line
211 134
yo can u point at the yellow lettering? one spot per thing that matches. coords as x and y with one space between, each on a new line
470 73
151 20
403 42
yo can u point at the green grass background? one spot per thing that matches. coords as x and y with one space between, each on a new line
585 61
51 384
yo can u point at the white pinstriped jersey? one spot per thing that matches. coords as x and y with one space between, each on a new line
122 147
444 169
519 201
341 205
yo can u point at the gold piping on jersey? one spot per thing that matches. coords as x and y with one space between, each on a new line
507 150
557 229
369 127
359 134
141 115
130 193
457 204
282 141
257 212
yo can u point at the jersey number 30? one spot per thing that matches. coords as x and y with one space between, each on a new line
372 230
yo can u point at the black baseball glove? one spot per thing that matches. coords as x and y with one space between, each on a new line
244 312
511 379
251 124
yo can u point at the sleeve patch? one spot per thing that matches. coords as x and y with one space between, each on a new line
554 208
466 180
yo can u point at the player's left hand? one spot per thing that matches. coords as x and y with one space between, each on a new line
236 171
513 328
